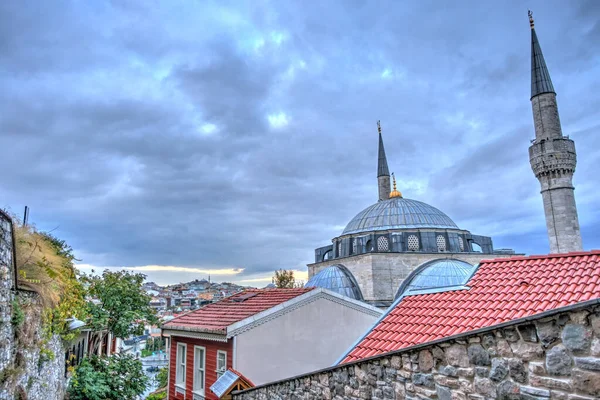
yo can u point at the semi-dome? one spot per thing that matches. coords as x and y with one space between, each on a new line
338 279
437 274
398 213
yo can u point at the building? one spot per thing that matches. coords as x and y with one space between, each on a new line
388 240
552 157
432 307
266 334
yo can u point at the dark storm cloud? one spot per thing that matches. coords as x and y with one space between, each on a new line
243 135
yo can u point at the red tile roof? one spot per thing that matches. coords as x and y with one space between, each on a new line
240 375
500 290
216 317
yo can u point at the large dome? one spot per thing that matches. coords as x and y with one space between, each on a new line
398 213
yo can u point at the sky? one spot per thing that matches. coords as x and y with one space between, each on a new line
187 138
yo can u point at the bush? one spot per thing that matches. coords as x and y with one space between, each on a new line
119 377
17 314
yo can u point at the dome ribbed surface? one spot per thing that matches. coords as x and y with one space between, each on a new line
398 213
437 274
337 279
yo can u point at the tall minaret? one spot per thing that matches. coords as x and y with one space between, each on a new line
383 173
552 157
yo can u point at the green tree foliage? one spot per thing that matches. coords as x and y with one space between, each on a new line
120 305
162 377
118 377
285 279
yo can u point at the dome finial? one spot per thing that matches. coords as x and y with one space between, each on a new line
530 14
395 192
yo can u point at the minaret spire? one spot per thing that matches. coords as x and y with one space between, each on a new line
383 173
540 77
552 157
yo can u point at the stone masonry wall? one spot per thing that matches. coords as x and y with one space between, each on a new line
30 369
553 356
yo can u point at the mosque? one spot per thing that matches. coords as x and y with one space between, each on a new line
399 244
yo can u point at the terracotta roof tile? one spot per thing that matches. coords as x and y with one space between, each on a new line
216 317
499 291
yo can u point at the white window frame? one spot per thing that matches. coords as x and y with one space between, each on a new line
224 368
180 380
199 389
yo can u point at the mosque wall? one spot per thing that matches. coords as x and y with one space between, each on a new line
379 275
554 355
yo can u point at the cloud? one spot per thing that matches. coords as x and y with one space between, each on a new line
221 136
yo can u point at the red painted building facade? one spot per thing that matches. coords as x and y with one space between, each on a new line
200 359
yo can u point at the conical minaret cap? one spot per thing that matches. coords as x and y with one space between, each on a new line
540 77
382 165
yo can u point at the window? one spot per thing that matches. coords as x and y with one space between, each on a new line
461 243
441 243
413 243
199 370
354 245
180 365
339 249
382 244
221 363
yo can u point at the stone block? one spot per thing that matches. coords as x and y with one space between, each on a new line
423 391
484 386
423 380
537 368
595 348
528 332
587 382
448 370
474 339
579 397
517 370
425 361
499 369
548 332
527 351
457 355
535 391
456 395
465 385
489 340
557 395
589 363
558 360
576 337
508 390
443 393
465 372
551 383
510 334
504 349
396 362
446 381
595 323
399 390
478 355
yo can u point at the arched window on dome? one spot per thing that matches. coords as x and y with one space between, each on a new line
339 248
369 246
476 248
328 255
461 243
383 243
441 243
354 245
412 243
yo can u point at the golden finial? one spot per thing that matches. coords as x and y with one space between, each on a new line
379 127
395 192
530 13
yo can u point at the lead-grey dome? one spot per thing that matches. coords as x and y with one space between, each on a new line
338 279
398 213
437 274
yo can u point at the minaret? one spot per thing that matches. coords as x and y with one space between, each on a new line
552 157
383 173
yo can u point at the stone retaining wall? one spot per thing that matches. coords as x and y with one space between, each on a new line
555 355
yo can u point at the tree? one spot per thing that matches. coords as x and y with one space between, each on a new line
121 306
118 377
284 279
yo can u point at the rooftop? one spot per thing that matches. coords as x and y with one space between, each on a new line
500 290
216 317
